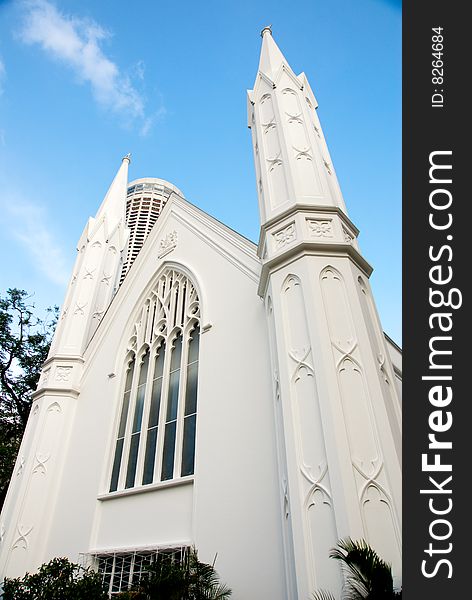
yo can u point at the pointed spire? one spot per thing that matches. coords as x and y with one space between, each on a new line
113 205
271 57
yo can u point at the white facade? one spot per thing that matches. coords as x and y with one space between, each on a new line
298 418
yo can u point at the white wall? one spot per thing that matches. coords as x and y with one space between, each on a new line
232 507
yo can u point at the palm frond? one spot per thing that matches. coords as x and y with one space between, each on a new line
323 595
367 576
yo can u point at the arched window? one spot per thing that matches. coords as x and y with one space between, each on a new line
155 440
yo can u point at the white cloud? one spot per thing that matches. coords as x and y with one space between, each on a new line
28 224
149 122
76 42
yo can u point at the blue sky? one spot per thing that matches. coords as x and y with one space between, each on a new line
82 83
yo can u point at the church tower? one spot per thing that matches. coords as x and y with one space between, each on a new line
30 502
336 406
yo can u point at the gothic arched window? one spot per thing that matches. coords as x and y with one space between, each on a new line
155 440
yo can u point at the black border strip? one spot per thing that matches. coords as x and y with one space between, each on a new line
441 126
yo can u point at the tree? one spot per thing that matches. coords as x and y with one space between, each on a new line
169 579
366 575
24 345
59 579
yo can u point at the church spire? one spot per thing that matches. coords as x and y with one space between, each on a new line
113 205
96 271
271 58
336 405
293 164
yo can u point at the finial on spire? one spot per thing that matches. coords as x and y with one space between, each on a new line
127 157
267 29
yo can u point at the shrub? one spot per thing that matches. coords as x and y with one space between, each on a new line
58 579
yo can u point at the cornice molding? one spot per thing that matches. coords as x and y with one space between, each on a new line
305 248
56 391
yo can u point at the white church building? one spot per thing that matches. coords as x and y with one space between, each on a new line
204 390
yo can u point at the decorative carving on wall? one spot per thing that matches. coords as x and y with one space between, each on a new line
55 407
320 228
40 466
89 273
285 497
97 244
300 357
35 410
328 166
21 541
365 449
382 367
63 373
347 236
21 466
294 118
313 481
276 385
271 150
106 278
79 308
274 162
266 127
285 236
370 318
370 478
45 376
167 244
316 483
97 315
303 153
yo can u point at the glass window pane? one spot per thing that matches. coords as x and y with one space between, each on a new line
138 410
173 398
188 450
129 376
191 391
176 354
159 363
169 451
155 402
157 387
124 415
194 344
133 458
150 457
144 369
116 465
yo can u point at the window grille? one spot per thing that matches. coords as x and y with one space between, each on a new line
122 570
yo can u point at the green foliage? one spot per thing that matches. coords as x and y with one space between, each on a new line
190 579
24 346
57 580
366 575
